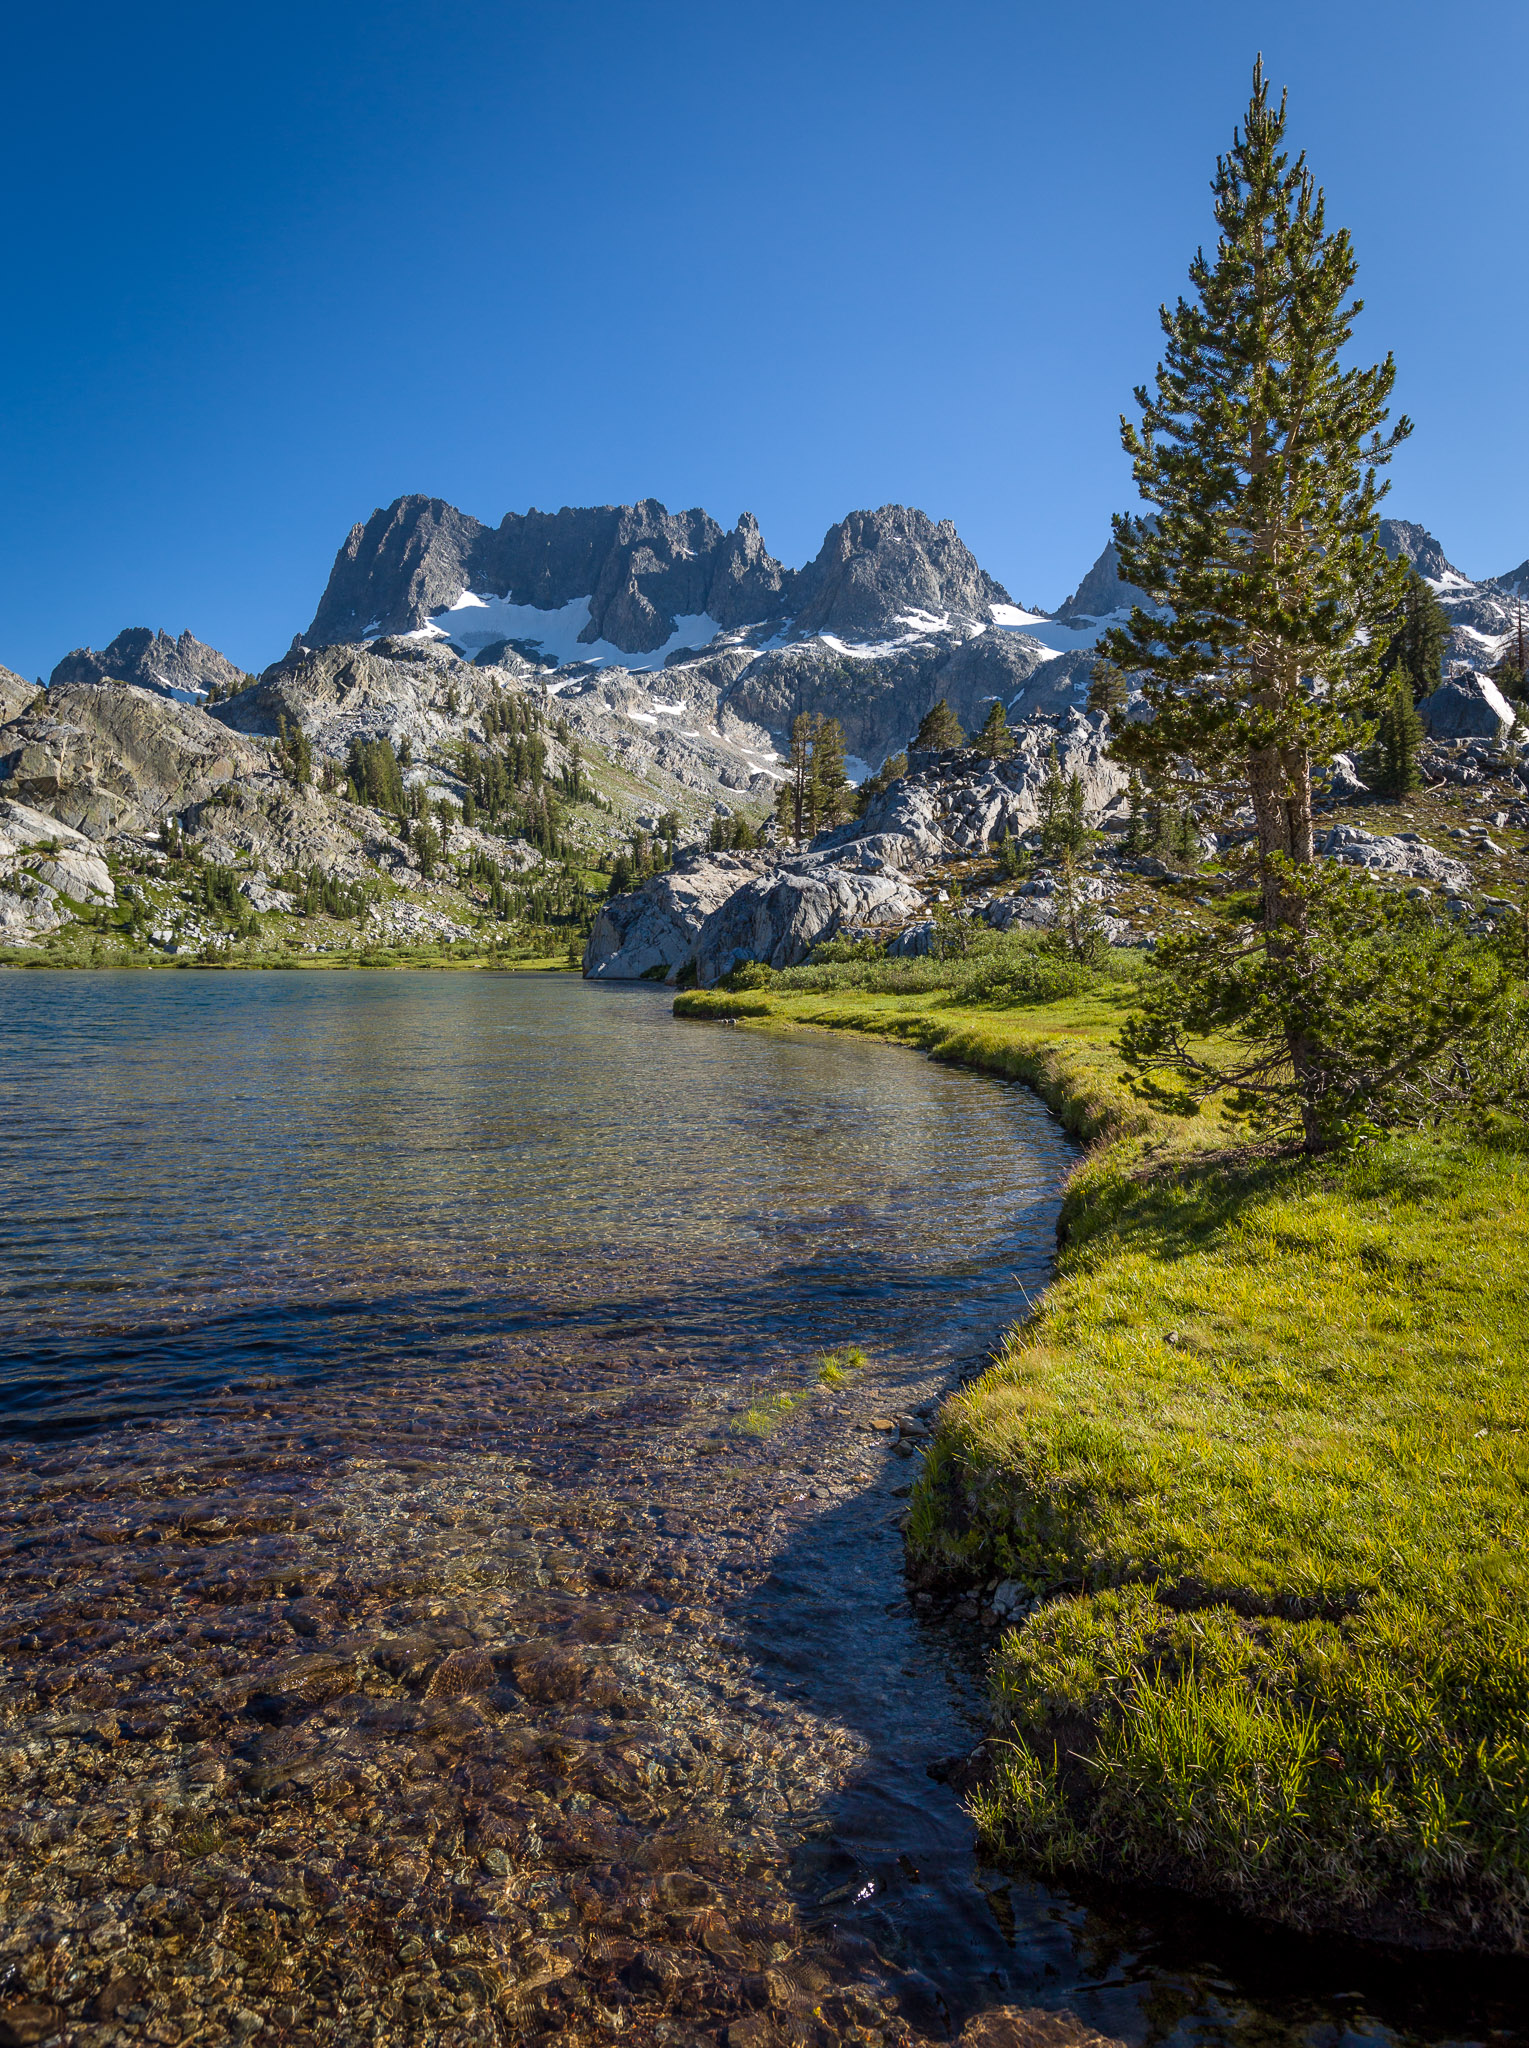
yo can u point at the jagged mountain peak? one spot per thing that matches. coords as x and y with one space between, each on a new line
649 581
875 569
185 669
1405 539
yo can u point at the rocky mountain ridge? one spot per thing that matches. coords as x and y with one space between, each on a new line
645 581
154 734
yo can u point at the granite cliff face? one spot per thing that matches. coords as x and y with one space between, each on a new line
16 693
117 758
640 567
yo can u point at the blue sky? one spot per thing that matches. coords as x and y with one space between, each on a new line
269 267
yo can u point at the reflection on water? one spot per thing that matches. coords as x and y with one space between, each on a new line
424 1618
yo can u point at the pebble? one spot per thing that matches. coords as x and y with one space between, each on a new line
398 1713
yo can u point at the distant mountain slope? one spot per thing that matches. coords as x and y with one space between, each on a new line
1484 616
611 582
185 669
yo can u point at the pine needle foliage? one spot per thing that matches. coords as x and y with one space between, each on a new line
816 793
1259 450
1107 690
1402 1019
1418 640
995 739
940 729
1398 736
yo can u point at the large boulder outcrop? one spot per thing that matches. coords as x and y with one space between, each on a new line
778 918
16 695
650 931
42 862
111 757
1407 853
1467 706
962 802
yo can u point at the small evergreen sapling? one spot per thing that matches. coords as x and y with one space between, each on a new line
995 739
1397 739
1107 690
939 730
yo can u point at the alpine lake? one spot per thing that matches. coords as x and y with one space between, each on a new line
445 1597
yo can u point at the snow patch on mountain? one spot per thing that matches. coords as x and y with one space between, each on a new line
473 623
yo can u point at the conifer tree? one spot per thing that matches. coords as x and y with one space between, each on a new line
995 738
1419 639
1258 450
1064 833
1107 690
1398 738
831 793
792 800
1511 674
816 792
940 729
1135 835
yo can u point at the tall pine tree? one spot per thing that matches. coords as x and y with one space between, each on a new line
1418 640
1270 592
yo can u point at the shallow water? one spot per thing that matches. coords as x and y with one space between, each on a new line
419 1624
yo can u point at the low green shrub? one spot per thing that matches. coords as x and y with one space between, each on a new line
1000 970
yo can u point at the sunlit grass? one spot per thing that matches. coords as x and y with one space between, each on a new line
835 1367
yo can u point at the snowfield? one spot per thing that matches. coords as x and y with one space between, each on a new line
475 622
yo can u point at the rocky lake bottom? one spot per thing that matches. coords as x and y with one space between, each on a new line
444 1601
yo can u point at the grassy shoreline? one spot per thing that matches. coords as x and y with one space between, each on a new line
1254 1486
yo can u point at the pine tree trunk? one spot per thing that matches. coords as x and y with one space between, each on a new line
1280 782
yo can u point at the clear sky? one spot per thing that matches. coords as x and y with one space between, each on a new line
268 267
